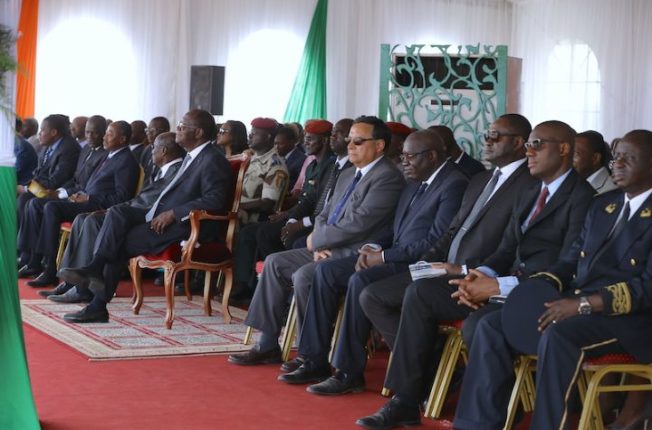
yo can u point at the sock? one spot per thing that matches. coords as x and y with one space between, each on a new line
267 342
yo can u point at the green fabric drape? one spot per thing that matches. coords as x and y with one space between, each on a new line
308 97
17 411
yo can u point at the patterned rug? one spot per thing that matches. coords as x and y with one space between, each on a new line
128 336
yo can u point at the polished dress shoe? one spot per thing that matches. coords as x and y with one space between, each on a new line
79 276
291 365
254 357
306 373
43 280
27 272
61 289
73 295
87 315
393 414
338 384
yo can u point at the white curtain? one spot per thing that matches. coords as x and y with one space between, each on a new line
584 61
9 13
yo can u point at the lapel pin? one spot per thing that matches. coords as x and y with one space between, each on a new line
610 208
646 213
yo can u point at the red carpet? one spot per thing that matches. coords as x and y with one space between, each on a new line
182 393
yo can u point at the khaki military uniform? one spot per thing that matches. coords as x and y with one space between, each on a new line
265 178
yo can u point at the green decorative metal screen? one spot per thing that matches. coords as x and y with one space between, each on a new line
464 88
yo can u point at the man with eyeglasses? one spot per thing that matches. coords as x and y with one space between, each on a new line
423 215
603 306
522 244
360 208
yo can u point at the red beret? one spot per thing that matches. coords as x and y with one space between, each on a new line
264 123
319 126
398 128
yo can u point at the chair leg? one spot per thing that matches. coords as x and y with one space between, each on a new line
523 364
336 331
137 296
226 293
186 284
290 331
62 247
169 275
449 358
207 294
385 391
248 335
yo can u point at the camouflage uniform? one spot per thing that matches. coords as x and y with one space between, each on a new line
263 180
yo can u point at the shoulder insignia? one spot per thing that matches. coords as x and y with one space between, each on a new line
610 208
646 213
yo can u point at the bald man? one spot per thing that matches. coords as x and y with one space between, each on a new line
78 129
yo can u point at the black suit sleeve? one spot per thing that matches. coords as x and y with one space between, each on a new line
64 168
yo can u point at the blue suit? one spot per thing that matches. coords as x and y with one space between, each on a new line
417 226
620 271
294 163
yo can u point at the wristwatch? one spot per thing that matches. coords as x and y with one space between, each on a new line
585 307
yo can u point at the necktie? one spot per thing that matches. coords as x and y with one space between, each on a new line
541 202
150 213
340 204
47 154
330 184
157 175
473 216
417 195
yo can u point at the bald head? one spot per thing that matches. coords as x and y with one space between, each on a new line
558 130
78 127
166 149
550 150
138 132
424 152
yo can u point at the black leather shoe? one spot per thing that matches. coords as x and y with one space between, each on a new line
307 373
86 316
292 365
337 384
27 272
254 357
73 295
79 276
43 280
62 288
393 414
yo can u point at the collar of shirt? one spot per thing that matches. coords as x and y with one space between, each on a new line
195 152
55 146
636 202
434 174
596 174
457 161
290 153
112 153
369 166
506 171
134 146
166 166
554 185
264 158
342 161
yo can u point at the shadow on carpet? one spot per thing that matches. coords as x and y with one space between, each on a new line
129 336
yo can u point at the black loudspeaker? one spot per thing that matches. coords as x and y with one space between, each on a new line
207 88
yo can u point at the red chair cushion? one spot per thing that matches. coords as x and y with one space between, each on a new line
455 324
66 225
207 253
260 265
611 359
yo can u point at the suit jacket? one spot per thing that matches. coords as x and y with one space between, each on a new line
367 211
553 230
114 181
602 182
418 227
317 174
149 168
470 166
60 166
621 273
87 162
204 185
138 152
26 160
294 163
484 235
148 195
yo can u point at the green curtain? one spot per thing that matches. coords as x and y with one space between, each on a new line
17 411
308 97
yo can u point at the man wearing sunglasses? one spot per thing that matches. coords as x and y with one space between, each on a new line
361 207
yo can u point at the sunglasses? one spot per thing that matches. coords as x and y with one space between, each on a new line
537 144
495 135
358 140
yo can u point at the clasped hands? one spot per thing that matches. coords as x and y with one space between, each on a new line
474 289
79 197
369 256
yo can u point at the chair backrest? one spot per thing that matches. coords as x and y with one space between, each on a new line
284 178
141 180
239 164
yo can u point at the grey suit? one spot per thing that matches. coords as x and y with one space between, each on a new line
81 245
366 213
602 181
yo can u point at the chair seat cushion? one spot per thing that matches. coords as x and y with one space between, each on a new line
213 252
66 226
260 265
611 359
452 323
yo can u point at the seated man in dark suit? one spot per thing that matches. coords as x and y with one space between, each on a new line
26 158
285 143
464 161
422 217
202 182
156 126
546 218
167 156
362 204
56 163
605 305
114 181
138 141
591 160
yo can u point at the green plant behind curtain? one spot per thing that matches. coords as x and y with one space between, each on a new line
17 410
308 97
